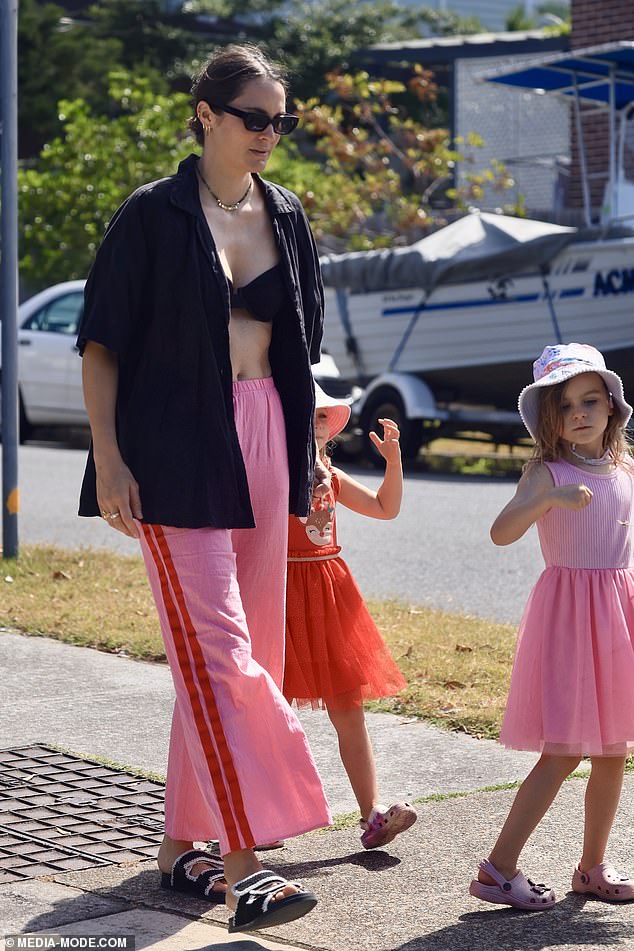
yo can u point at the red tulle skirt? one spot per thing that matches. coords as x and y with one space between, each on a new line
335 655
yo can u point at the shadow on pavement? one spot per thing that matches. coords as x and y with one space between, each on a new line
575 922
370 861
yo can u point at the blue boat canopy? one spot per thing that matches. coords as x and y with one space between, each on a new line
589 73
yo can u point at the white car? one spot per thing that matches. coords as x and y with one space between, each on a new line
49 367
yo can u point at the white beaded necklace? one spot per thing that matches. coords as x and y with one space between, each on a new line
601 461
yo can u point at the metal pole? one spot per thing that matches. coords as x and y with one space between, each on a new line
9 272
614 199
582 157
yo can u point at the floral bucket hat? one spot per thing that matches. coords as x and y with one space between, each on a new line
558 364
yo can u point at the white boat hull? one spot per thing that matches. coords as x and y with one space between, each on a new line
475 342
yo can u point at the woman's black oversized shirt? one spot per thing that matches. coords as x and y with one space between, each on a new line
157 296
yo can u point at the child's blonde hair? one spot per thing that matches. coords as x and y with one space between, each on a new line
548 443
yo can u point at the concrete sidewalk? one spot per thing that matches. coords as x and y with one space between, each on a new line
411 896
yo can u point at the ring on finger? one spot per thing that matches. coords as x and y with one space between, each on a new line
110 516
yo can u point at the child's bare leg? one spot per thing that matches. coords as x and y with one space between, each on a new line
602 799
356 754
533 800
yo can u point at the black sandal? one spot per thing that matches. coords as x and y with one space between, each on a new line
256 909
180 879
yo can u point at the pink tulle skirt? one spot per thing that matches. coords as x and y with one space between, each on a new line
572 686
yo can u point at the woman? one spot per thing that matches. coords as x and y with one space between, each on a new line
203 314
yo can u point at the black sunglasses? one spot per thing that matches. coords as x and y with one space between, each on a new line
282 123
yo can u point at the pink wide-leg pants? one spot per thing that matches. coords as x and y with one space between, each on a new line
240 769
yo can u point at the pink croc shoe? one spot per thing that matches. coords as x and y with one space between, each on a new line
603 881
383 825
519 892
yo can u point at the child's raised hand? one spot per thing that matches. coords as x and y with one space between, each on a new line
389 446
572 496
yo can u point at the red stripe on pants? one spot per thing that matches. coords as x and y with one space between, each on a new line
214 743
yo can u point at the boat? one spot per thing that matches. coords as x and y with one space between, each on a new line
445 330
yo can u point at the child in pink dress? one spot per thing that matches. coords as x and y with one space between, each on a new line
572 686
335 655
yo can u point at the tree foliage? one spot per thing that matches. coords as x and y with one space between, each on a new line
386 177
62 57
368 173
150 42
55 60
315 37
448 23
545 13
82 176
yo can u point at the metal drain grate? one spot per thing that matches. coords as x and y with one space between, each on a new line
59 812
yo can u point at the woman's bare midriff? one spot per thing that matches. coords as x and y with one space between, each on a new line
249 342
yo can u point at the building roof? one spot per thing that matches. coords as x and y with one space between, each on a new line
446 49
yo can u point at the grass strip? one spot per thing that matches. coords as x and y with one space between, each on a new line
88 598
457 667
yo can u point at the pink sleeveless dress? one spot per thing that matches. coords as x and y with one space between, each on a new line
572 686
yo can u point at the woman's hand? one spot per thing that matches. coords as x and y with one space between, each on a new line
117 490
389 447
571 496
118 496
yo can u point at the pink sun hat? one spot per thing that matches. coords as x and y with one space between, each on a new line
338 411
561 362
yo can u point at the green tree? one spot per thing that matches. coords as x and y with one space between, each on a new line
558 8
448 23
56 59
368 174
83 175
314 37
386 178
65 58
518 20
151 42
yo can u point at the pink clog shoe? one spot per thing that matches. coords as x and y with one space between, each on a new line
383 824
604 882
519 892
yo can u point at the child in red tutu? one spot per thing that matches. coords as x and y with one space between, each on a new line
335 656
572 687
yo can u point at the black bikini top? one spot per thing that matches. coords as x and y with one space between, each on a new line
263 297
